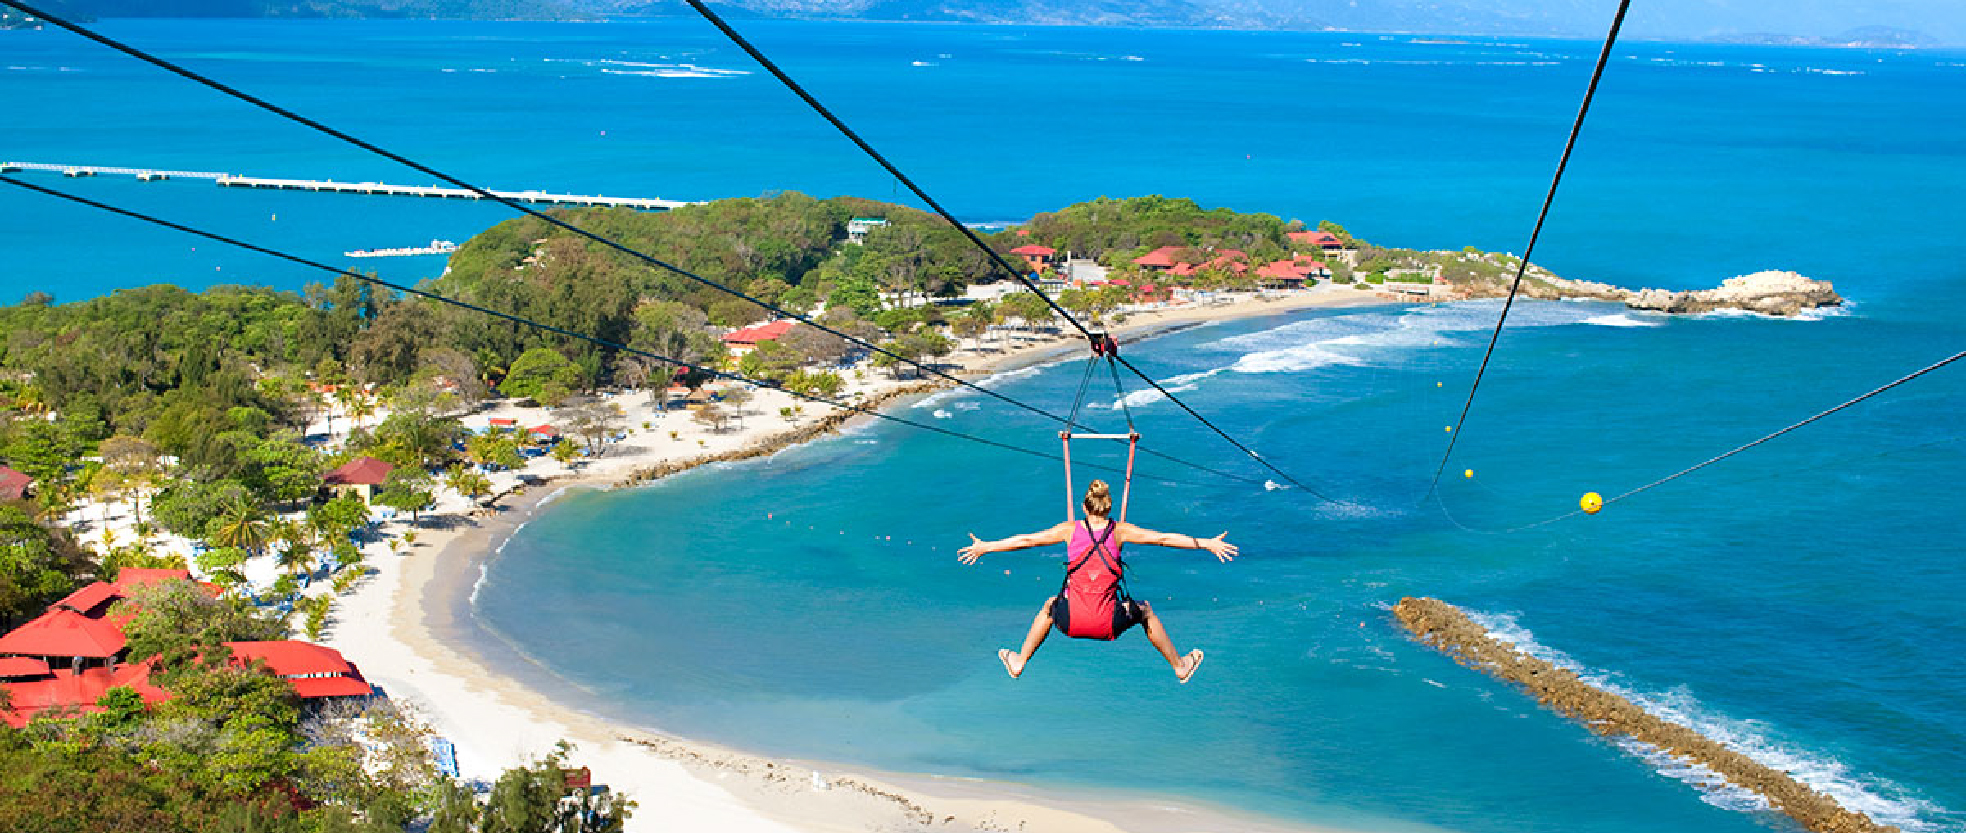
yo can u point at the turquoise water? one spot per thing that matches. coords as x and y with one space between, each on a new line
1799 600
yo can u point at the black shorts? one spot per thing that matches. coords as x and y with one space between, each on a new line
1126 614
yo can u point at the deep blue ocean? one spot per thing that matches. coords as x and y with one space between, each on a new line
1800 601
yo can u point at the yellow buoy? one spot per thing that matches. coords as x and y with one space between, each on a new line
1448 428
1468 473
1437 384
1591 503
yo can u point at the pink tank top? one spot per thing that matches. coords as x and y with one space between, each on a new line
1092 581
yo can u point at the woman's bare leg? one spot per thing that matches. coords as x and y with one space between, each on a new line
1157 634
1040 628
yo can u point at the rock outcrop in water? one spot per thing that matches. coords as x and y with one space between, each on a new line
1443 626
1769 293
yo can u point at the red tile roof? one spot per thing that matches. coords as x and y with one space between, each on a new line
1162 257
1034 249
24 667
505 421
768 331
13 484
546 430
1316 238
361 471
92 601
63 633
314 670
65 689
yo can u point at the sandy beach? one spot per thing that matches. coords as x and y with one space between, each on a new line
407 626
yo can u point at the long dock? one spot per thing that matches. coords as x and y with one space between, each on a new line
225 180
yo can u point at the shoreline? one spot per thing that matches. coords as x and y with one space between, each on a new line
409 628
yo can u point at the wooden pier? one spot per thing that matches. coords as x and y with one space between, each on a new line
225 180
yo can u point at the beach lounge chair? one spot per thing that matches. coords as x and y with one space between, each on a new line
446 757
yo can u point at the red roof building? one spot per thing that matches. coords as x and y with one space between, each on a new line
92 601
502 422
12 668
13 484
65 690
1231 260
746 339
546 431
62 634
314 670
1320 239
361 471
362 475
1036 257
1161 258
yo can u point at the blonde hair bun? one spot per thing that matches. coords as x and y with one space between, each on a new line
1098 499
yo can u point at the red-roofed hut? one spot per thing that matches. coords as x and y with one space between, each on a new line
361 475
745 339
1035 256
314 670
14 484
64 690
62 636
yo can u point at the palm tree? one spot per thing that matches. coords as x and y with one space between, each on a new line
241 524
362 408
296 553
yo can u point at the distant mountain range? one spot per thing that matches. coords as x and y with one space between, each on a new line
1890 23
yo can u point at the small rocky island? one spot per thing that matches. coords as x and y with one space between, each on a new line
1769 293
1444 275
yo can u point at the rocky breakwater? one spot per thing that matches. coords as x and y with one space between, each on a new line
1769 293
1443 626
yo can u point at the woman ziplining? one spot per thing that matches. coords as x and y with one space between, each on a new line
1093 602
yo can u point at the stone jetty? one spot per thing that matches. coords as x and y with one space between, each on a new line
1445 627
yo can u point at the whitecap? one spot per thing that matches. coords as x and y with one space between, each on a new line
484 575
1621 320
941 414
922 64
935 399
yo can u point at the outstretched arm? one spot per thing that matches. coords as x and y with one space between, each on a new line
1223 550
977 546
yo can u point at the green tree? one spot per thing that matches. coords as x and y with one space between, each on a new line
466 482
224 565
188 507
240 524
407 489
38 564
171 617
499 450
542 373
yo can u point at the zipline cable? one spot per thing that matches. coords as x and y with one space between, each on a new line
1819 415
995 256
1729 453
290 115
135 215
1522 266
